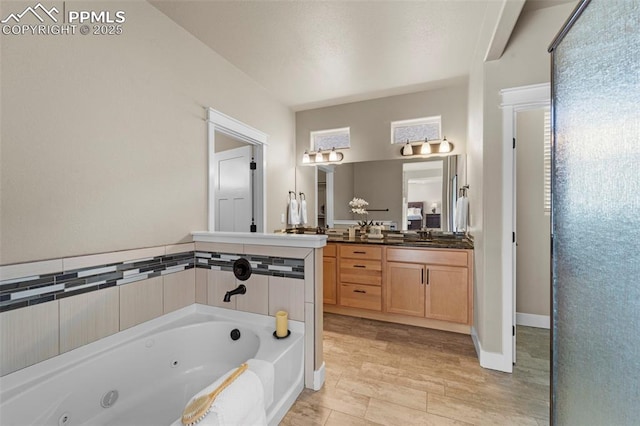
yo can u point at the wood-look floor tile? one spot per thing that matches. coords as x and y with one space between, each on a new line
339 400
396 394
475 413
336 418
306 413
372 366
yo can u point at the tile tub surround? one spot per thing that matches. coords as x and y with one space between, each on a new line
309 248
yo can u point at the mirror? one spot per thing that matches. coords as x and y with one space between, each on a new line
402 193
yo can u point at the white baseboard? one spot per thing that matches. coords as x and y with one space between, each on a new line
490 360
533 320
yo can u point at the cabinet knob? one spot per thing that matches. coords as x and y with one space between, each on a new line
359 266
359 291
359 252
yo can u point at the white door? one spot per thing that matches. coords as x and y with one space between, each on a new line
232 183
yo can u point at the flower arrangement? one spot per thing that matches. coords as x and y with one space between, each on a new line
359 207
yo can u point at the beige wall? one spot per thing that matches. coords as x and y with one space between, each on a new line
370 123
225 143
104 139
524 62
533 269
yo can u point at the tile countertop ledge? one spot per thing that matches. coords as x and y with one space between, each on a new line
255 238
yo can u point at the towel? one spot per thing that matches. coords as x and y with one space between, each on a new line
303 211
244 401
294 217
462 208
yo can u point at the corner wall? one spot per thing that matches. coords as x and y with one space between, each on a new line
104 140
524 62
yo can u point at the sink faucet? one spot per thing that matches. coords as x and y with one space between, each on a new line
240 290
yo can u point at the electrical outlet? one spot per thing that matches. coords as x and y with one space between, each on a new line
282 218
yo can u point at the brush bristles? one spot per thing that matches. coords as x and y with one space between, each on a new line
198 408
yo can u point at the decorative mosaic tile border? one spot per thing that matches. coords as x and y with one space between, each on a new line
261 265
32 290
28 291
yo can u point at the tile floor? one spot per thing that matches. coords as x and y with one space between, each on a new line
391 374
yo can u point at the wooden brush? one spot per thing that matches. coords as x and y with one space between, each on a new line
198 408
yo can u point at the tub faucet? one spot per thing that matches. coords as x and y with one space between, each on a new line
240 290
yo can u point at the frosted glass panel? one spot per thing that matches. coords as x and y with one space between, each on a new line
596 218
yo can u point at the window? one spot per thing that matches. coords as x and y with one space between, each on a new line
323 140
547 162
416 130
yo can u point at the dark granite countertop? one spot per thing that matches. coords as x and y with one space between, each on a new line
446 242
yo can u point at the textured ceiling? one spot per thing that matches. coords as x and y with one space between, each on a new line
316 53
311 53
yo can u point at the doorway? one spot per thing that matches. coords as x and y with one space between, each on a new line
237 189
514 100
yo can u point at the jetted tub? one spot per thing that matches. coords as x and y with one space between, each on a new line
145 375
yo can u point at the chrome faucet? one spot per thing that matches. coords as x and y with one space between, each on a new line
240 290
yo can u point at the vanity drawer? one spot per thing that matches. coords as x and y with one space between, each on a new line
360 252
452 257
361 296
361 271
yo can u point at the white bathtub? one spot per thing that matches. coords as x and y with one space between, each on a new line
155 368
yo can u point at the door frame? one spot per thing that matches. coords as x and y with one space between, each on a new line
219 122
513 100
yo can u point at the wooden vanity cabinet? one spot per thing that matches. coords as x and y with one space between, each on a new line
360 276
427 283
329 273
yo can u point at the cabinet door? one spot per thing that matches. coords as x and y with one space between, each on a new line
329 281
447 296
405 289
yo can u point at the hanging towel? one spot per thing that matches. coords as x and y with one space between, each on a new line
294 217
243 401
303 212
462 208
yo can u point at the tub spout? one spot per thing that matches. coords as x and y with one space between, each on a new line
240 290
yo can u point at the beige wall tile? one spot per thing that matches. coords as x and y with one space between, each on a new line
28 335
219 247
291 252
9 272
88 317
71 263
310 277
201 285
218 283
179 290
309 345
179 248
140 301
287 294
256 299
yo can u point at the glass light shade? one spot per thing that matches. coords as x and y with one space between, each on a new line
319 158
408 149
333 155
305 158
445 146
425 148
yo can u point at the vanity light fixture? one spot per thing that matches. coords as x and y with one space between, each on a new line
426 148
445 146
320 157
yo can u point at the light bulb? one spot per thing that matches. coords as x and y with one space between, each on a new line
408 149
445 146
426 147
319 158
305 157
333 155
